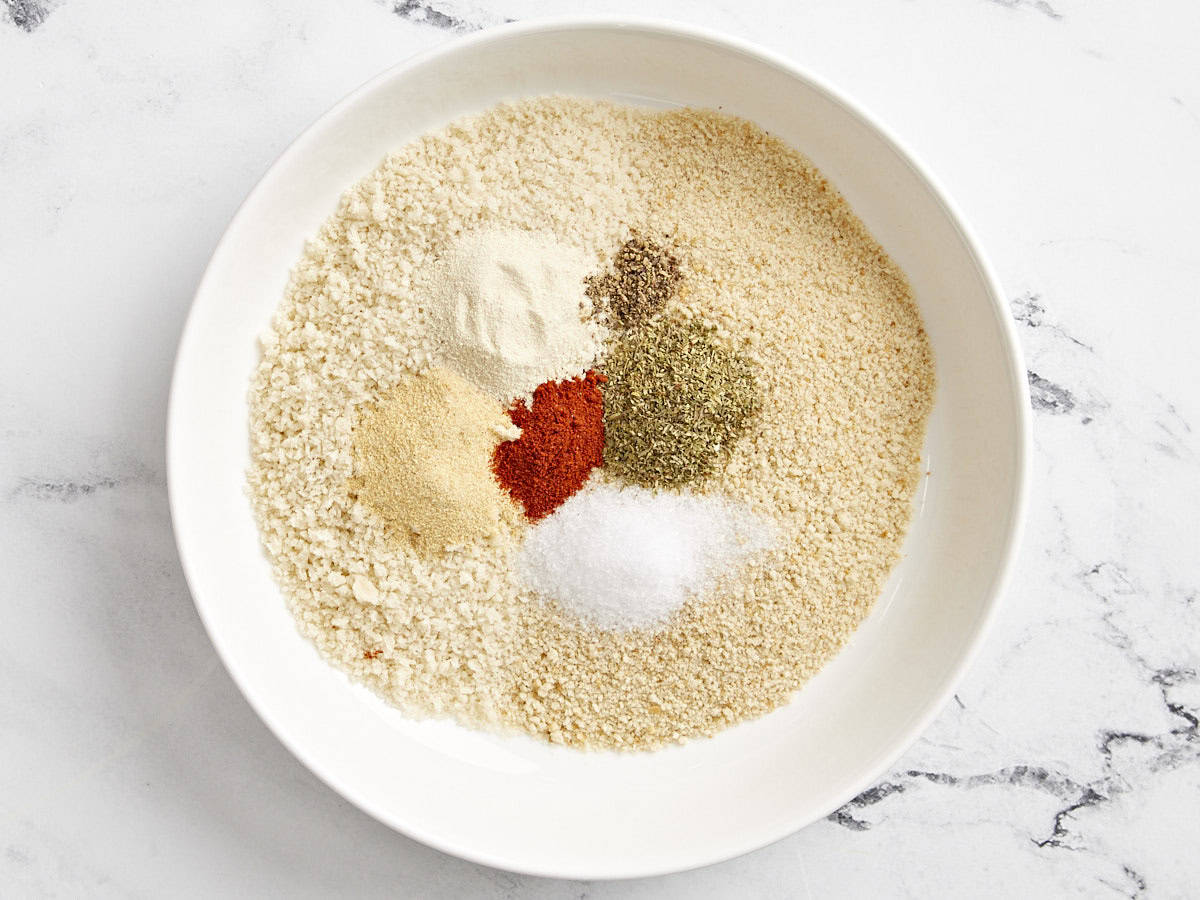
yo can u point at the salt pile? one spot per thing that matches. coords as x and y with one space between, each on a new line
628 557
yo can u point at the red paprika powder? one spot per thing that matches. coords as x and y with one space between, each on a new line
562 440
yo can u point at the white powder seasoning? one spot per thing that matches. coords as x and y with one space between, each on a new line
770 256
628 557
508 311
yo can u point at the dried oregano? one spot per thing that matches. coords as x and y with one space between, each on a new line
674 403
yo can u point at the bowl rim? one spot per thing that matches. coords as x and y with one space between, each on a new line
1017 384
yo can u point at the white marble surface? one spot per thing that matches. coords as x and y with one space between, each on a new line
1069 132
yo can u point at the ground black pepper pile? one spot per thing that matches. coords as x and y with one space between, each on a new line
645 276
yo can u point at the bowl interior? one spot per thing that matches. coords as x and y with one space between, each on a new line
514 802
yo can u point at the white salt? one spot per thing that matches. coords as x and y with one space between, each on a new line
628 557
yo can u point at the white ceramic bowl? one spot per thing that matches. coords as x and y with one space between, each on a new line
514 802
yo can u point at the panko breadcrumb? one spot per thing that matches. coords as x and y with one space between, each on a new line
770 255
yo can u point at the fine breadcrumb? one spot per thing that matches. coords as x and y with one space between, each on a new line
769 254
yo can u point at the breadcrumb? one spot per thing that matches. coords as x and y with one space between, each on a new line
769 254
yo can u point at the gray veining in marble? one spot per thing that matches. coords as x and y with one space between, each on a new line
28 15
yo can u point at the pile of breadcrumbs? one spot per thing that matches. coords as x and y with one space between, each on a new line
769 252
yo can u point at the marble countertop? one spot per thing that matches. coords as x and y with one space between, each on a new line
1069 761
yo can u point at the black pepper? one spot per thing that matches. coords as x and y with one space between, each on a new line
645 275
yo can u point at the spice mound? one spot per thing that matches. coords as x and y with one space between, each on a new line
628 557
644 278
562 440
508 311
422 460
674 405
